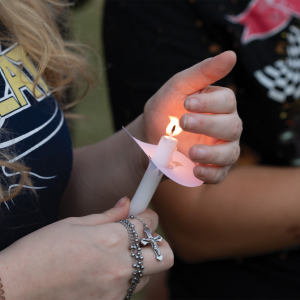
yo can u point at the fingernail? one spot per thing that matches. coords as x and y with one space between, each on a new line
121 202
193 104
186 104
201 153
190 123
200 172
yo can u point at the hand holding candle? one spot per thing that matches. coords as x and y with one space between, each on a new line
207 114
210 133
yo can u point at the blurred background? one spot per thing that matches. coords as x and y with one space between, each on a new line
86 28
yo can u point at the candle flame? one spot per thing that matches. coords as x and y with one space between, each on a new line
173 122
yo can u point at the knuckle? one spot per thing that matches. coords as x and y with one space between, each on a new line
235 154
168 255
203 103
176 79
241 126
206 72
230 96
230 93
114 238
193 152
222 175
170 259
216 175
202 120
153 219
213 156
108 214
236 128
232 104
208 122
112 241
154 215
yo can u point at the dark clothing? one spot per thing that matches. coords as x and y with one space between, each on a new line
147 42
33 132
262 277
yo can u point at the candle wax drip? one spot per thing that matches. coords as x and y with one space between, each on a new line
174 164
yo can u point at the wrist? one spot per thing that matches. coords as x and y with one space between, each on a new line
137 128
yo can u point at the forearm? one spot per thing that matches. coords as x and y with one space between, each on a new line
255 210
104 172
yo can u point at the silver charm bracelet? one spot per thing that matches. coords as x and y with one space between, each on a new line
136 255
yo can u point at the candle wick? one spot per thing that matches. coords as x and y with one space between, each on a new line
172 131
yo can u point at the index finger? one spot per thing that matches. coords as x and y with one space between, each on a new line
204 73
149 217
219 101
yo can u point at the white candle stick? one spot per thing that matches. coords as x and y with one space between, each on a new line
162 156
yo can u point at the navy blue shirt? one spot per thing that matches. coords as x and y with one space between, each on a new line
34 133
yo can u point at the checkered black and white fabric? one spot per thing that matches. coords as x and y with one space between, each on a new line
283 78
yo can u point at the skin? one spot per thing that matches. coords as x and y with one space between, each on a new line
254 211
85 257
83 261
94 177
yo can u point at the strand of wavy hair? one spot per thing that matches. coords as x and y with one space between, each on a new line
36 25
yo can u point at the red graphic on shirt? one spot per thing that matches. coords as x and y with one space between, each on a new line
264 18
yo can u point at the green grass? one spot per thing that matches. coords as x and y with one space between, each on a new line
86 27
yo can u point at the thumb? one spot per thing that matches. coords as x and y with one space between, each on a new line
204 73
118 212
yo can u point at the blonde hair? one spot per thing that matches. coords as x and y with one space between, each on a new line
36 26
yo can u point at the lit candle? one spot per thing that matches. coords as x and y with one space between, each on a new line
162 157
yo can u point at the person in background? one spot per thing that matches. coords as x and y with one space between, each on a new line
238 239
86 255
